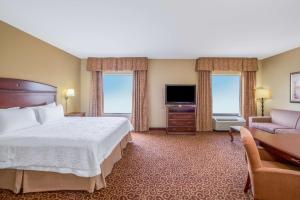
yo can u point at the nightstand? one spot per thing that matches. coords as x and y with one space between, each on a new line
75 114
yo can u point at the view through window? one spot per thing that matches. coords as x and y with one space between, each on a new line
117 89
226 94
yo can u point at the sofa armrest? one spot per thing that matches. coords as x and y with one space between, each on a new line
260 119
281 183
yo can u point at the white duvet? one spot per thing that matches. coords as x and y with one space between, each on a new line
76 145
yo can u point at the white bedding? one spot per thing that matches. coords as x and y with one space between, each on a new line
76 145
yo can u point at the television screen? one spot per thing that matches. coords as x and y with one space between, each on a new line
180 94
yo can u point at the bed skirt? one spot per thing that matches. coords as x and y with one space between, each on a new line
38 181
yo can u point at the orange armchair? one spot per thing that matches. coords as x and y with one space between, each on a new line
269 179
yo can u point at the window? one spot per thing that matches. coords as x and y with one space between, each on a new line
226 93
117 88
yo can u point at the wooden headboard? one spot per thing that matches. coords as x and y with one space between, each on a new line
23 93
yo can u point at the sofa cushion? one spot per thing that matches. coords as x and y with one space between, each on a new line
269 127
287 131
286 118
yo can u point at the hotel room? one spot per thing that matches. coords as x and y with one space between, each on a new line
161 99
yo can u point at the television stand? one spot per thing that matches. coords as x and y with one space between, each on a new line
181 119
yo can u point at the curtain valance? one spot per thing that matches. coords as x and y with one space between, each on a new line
226 64
204 64
117 64
250 64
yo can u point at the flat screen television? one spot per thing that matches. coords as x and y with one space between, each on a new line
180 94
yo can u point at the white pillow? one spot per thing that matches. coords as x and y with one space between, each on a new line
36 108
43 106
51 104
15 119
50 114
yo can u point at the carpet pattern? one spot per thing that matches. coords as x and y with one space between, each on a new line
159 166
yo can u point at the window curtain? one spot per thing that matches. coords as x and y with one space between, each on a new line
140 101
96 99
204 103
204 67
250 66
248 94
139 66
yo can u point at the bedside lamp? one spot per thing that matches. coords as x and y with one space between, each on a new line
69 93
262 94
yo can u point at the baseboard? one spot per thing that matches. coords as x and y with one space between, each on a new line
157 129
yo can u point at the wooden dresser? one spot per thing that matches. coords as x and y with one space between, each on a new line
181 119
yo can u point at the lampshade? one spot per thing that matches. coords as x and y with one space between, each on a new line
70 93
263 93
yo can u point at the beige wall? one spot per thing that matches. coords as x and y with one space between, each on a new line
85 87
26 57
276 76
163 72
259 74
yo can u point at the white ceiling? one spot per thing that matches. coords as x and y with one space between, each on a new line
160 28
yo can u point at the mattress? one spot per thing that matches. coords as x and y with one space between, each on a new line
76 145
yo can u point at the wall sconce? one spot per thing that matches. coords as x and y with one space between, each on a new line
262 94
69 93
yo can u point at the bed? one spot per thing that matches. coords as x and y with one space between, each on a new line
75 153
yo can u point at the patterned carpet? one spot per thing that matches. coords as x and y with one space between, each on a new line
159 166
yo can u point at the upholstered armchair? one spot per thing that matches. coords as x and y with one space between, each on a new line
269 179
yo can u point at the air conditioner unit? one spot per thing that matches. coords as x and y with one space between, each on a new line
222 123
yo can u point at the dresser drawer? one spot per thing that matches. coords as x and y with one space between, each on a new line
181 116
181 119
181 129
181 122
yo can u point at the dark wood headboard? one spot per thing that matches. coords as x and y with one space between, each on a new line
23 93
